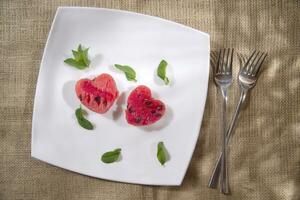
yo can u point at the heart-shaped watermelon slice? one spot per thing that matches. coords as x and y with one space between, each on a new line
142 109
98 94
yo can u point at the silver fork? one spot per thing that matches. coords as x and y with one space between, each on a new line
223 79
247 79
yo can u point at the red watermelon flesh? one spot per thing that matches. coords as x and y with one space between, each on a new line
98 94
142 109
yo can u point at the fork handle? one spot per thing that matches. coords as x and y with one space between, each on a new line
213 181
236 115
224 178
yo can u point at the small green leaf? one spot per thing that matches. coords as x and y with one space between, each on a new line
111 156
76 55
161 71
79 49
129 72
80 59
161 153
81 120
85 57
74 63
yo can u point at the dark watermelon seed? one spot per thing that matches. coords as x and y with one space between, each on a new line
97 99
104 102
153 111
147 102
80 97
138 120
130 110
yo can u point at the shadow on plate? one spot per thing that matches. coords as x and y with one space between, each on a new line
119 106
117 111
69 94
96 61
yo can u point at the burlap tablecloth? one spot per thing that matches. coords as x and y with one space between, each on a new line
265 150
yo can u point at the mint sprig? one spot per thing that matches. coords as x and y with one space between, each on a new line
80 60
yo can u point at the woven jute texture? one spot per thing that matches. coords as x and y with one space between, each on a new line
264 151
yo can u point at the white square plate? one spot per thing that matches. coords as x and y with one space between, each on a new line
140 41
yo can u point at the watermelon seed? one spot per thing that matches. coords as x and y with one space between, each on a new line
138 119
97 99
104 102
148 103
130 110
80 97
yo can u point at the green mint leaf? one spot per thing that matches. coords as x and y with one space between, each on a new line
129 72
76 55
74 63
162 154
79 49
84 123
84 56
80 59
111 156
161 71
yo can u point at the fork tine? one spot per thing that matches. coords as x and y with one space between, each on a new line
218 63
228 57
226 53
231 60
244 69
222 60
253 63
221 68
259 64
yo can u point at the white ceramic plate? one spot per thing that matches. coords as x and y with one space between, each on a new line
126 38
